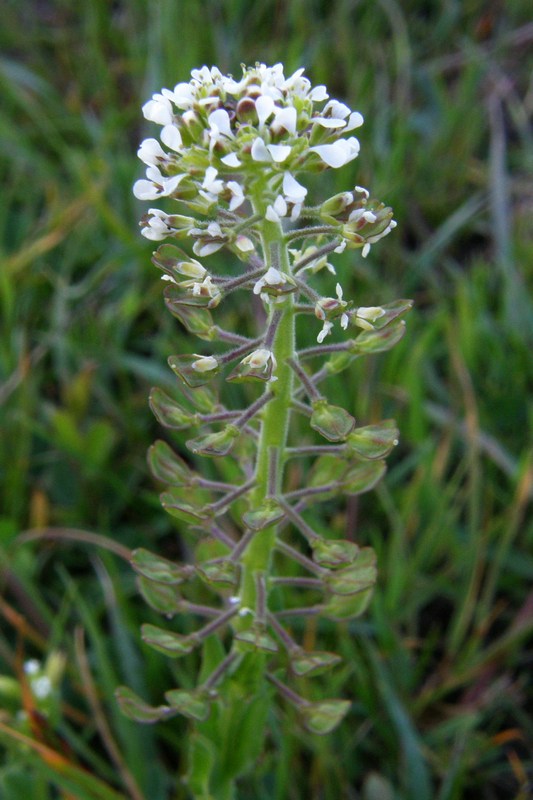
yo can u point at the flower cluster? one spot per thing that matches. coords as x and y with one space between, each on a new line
235 153
227 139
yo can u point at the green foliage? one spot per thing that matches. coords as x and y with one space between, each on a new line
438 669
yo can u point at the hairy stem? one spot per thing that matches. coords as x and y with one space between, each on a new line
273 435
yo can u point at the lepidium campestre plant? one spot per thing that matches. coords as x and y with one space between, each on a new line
230 160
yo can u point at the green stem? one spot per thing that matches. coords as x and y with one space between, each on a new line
274 427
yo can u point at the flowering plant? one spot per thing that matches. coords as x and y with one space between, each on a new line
230 156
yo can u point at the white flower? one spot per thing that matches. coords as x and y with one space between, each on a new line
156 185
204 363
260 359
277 210
272 277
157 227
32 666
339 153
151 153
205 289
183 96
41 687
159 109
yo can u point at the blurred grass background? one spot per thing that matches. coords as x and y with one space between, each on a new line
440 668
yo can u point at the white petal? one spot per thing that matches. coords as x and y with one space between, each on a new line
334 155
279 152
183 95
145 190
151 152
280 205
259 151
296 211
337 109
337 154
324 332
318 93
366 250
329 122
285 118
203 250
171 184
231 160
355 121
171 136
293 191
273 276
221 119
154 236
264 106
244 244
271 215
158 109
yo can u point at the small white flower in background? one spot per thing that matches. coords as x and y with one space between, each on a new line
32 666
41 687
